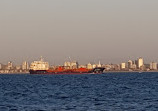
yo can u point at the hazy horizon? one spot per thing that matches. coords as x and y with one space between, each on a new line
111 31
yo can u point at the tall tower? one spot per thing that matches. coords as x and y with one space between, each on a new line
140 62
130 64
25 65
123 65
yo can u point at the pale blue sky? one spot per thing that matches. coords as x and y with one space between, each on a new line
87 30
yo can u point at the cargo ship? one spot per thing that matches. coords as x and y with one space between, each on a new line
41 67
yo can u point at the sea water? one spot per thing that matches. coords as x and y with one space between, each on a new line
102 92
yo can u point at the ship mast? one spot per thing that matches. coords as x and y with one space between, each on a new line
70 59
41 59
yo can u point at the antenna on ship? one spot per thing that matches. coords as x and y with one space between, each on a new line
70 59
41 58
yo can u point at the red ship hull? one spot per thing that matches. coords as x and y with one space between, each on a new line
69 71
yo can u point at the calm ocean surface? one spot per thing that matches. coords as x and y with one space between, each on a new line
104 92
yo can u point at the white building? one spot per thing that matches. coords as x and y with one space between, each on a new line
123 65
89 66
99 65
108 66
153 66
25 65
71 65
130 64
18 67
82 66
140 62
94 65
10 65
134 66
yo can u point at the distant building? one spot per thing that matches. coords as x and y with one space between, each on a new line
82 66
147 67
89 66
140 62
130 64
153 66
99 65
71 65
10 65
25 65
134 66
0 66
94 65
18 67
136 63
116 67
123 65
107 67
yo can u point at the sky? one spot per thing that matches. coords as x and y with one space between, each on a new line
111 31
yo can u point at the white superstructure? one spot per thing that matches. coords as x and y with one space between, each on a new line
39 65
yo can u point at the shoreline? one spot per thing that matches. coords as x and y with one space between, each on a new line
127 71
25 73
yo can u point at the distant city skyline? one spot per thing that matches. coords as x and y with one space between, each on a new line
41 65
83 63
86 30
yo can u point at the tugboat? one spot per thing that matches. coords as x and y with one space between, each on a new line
41 67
